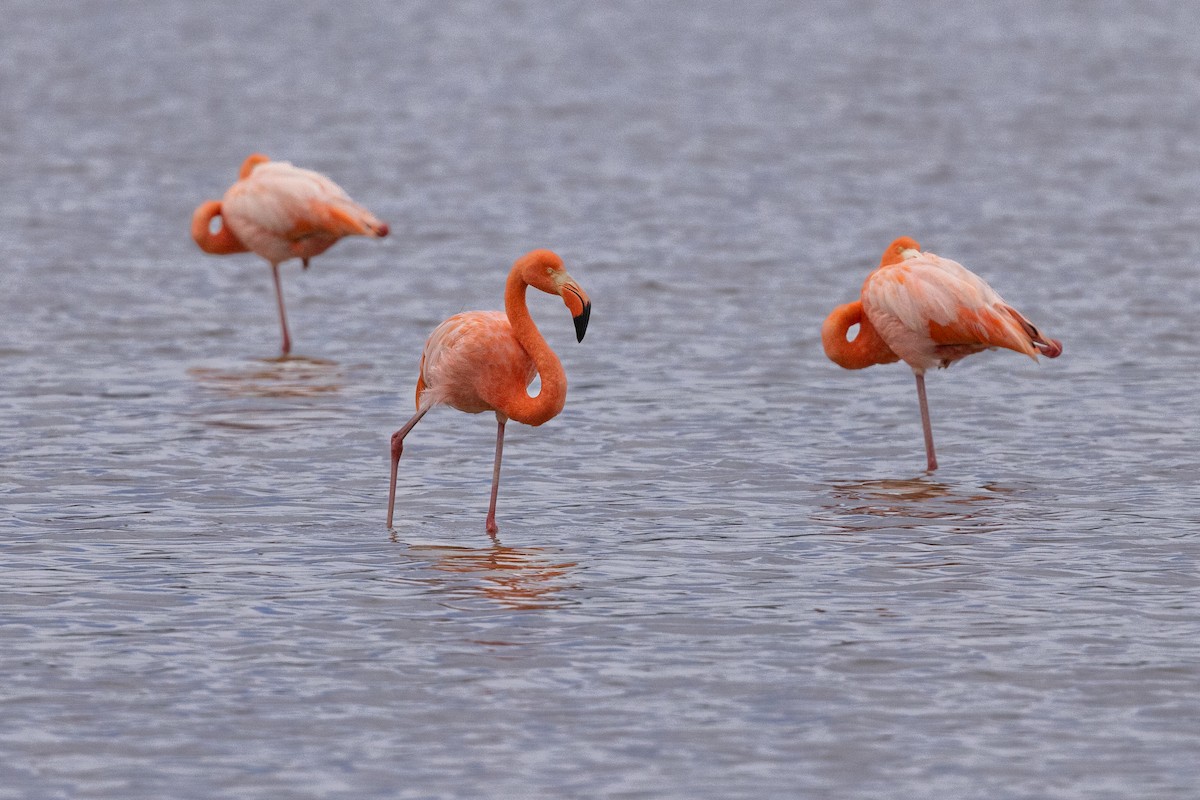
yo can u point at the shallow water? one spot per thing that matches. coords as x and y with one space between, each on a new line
721 571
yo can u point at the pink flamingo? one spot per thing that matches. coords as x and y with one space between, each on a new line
281 211
485 360
930 312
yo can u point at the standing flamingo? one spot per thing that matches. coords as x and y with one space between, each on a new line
930 312
281 211
485 360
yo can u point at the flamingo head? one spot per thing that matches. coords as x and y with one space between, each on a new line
897 251
543 269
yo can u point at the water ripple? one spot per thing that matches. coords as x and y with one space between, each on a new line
721 571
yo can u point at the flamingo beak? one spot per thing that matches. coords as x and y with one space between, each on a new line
1050 348
581 321
578 303
909 253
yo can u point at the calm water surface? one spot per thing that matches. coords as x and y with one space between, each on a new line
721 572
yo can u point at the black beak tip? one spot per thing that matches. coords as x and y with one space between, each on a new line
581 322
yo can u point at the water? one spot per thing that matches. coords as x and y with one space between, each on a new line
721 572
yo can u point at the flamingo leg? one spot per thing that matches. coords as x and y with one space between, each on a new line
932 457
287 340
492 528
397 449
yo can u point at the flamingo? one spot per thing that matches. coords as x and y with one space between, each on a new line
281 211
485 360
929 312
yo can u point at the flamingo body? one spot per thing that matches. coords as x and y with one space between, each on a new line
472 362
485 360
929 312
932 311
280 212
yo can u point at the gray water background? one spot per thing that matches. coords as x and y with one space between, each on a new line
721 572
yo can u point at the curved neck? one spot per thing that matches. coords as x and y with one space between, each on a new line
220 243
868 347
550 400
252 161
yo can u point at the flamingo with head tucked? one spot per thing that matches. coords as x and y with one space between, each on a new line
485 360
281 211
930 312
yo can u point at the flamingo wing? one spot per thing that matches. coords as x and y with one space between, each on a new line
472 361
948 307
288 205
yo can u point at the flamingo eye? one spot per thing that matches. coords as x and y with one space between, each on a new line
549 270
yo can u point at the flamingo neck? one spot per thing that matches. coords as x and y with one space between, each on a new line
868 347
550 400
252 161
220 243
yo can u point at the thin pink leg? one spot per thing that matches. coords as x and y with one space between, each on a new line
925 422
287 340
492 528
397 449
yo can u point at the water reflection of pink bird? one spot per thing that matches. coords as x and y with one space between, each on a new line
930 312
514 577
281 212
485 360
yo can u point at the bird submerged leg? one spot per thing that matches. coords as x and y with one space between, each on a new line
397 449
287 340
492 527
932 463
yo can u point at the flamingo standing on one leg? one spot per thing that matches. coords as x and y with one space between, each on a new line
485 360
281 211
930 312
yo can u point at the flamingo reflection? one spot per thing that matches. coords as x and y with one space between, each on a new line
293 377
916 500
515 577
